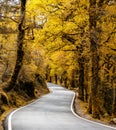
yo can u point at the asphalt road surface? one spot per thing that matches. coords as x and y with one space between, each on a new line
51 112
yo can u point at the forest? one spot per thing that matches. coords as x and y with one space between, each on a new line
67 42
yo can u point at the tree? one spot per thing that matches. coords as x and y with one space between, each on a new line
95 59
76 32
20 41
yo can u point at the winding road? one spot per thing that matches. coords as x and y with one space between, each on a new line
51 112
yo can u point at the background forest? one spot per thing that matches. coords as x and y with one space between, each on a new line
69 42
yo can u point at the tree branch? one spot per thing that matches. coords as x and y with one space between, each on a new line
10 19
107 40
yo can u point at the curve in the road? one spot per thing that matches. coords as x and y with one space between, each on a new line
51 112
72 109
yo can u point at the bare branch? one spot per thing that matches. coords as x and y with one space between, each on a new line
109 36
113 49
70 50
10 19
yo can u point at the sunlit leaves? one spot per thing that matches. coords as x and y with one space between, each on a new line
61 61
54 26
69 27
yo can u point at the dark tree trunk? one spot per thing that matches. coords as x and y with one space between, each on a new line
20 52
114 94
61 79
86 93
86 78
95 59
81 78
95 80
90 104
65 82
50 79
80 59
56 79
72 81
46 76
48 73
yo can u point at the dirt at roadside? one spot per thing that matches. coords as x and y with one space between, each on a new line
81 109
25 102
1 127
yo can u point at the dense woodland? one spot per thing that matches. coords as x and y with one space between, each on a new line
67 42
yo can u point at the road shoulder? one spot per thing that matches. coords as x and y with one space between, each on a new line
80 109
1 126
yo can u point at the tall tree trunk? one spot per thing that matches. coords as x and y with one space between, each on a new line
65 82
72 80
86 78
81 71
90 103
114 94
95 59
50 80
56 78
20 52
81 78
61 80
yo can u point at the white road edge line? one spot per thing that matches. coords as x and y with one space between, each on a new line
72 109
11 114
